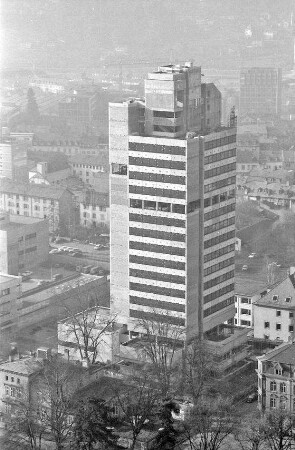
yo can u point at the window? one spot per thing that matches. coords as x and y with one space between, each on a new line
278 313
245 300
278 371
273 386
149 205
5 291
119 169
164 207
93 216
12 379
278 326
246 311
288 299
7 390
266 324
6 377
291 328
134 203
18 381
192 206
275 297
178 209
283 387
291 315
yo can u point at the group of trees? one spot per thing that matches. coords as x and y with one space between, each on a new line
147 397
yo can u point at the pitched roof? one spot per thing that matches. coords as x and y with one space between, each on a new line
30 189
282 290
25 366
283 354
101 159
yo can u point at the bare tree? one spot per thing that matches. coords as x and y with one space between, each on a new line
278 430
210 424
251 434
162 342
137 400
87 330
26 426
56 387
199 369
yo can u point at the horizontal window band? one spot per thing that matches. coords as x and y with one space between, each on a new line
152 148
160 290
157 304
167 277
157 248
216 294
220 211
214 308
156 192
220 252
157 220
161 318
157 178
219 266
155 234
220 279
218 239
157 262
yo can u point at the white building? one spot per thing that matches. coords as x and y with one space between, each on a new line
85 167
6 160
10 293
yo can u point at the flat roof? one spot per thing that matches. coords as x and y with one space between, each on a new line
5 277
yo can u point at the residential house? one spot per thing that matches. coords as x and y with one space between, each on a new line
276 379
39 201
273 314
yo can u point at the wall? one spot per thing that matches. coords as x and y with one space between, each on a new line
264 314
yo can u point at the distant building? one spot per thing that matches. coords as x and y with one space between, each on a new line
23 242
78 109
260 92
94 211
273 313
276 379
86 167
48 85
41 175
43 202
69 148
6 160
10 293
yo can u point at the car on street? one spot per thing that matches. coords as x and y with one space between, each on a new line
245 267
76 254
252 397
98 247
26 275
252 255
54 251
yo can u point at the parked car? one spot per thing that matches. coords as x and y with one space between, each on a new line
86 269
96 271
245 267
75 250
26 275
77 254
98 247
252 255
252 397
42 282
57 276
54 250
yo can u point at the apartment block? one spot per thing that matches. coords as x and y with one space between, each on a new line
38 201
172 204
95 210
23 241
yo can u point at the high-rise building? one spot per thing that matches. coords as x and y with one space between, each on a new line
260 92
172 204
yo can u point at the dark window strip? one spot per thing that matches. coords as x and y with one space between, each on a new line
178 265
156 234
152 148
161 163
156 192
146 247
220 279
219 293
157 304
213 309
157 220
157 177
162 318
159 276
159 290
